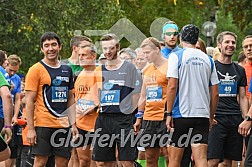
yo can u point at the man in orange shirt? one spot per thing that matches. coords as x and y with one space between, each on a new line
86 102
247 49
49 87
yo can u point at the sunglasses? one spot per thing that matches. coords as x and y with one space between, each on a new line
171 33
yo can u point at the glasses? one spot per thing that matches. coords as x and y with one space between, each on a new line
171 33
247 46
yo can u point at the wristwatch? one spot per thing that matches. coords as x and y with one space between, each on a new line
247 118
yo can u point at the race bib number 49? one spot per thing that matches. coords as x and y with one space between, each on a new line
227 88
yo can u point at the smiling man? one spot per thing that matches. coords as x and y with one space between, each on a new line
119 88
86 103
224 141
49 87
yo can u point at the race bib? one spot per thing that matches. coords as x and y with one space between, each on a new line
227 88
154 93
84 103
110 97
59 94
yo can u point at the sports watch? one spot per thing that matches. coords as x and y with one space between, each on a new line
247 118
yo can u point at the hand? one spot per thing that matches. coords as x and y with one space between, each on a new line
7 133
88 110
14 121
169 124
211 123
244 128
32 137
137 126
75 133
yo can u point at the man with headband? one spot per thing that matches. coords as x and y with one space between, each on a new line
192 96
170 36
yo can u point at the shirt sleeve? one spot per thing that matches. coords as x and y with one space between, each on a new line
19 85
172 71
32 79
3 81
214 77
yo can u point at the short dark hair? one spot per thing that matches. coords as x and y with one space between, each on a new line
220 36
77 39
189 34
2 57
110 36
49 36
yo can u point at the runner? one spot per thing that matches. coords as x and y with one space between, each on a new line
119 89
192 96
86 102
152 103
224 142
50 85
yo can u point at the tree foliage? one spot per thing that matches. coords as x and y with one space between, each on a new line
24 21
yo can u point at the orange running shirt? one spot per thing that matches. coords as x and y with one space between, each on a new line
86 95
248 70
155 81
52 86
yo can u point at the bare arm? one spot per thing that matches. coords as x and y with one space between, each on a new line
7 110
135 99
250 100
30 107
141 107
171 95
17 104
71 107
243 101
214 94
245 126
7 104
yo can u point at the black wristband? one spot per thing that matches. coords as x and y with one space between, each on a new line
168 114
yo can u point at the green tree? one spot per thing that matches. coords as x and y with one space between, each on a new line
24 21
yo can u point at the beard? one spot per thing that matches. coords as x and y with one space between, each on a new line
171 45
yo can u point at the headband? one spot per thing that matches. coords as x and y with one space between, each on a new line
167 26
